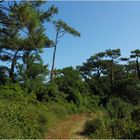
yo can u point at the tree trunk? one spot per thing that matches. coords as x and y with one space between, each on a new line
11 72
111 74
54 54
138 68
52 69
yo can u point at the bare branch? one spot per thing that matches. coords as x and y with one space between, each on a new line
61 34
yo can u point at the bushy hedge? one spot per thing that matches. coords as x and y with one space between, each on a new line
106 128
23 117
20 119
119 120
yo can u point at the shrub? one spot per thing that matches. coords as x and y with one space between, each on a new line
91 102
118 108
101 126
57 109
123 129
22 116
136 115
91 126
11 92
22 120
97 125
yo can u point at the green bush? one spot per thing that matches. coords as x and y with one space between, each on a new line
58 109
136 115
97 126
91 102
14 92
28 120
118 108
22 120
123 129
11 92
22 116
91 126
101 126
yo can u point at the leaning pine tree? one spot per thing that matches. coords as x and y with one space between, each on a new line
61 29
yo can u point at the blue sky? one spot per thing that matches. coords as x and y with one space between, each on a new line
103 25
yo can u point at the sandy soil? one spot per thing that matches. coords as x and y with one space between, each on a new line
70 128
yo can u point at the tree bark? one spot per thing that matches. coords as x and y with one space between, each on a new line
11 72
54 54
138 68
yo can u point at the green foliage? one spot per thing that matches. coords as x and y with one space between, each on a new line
118 108
71 85
12 92
25 119
128 89
22 116
91 102
58 109
26 34
102 127
51 92
22 120
61 26
91 126
3 74
136 115
113 54
135 53
123 129
97 127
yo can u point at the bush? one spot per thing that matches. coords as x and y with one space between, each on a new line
118 108
91 102
91 126
136 115
14 92
123 129
128 89
97 126
11 92
57 109
101 126
22 120
22 116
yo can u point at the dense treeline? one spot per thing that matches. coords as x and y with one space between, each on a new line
117 84
106 84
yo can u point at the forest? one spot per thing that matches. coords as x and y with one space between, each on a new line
34 98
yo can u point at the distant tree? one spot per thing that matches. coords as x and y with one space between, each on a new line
69 82
94 72
61 29
112 55
136 55
95 66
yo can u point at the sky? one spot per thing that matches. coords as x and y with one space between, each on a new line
103 25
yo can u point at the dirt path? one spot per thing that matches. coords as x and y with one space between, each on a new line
68 129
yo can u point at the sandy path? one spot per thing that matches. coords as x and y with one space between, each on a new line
68 129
